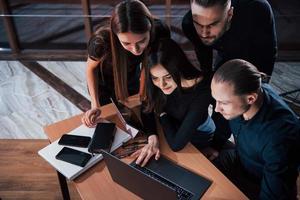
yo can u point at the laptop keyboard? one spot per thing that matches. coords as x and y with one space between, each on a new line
182 194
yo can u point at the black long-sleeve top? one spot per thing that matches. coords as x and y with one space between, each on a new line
268 146
251 37
185 111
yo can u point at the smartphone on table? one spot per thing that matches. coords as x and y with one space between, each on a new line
73 156
103 137
74 140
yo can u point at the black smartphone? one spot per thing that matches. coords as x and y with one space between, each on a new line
74 140
103 137
73 156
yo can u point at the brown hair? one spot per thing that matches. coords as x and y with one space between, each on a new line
98 47
99 43
211 3
128 16
244 76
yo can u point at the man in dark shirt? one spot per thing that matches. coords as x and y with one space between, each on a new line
235 29
266 131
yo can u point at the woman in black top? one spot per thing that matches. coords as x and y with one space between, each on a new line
117 53
180 95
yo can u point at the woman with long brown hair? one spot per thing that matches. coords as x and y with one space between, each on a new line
117 55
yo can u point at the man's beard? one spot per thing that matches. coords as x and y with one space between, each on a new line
225 28
245 109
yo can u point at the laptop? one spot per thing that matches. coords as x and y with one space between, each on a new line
160 179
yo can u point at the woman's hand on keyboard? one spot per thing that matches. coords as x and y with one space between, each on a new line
152 148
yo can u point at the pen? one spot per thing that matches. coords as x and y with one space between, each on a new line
133 146
128 150
125 154
134 143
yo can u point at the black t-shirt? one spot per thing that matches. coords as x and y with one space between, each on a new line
268 146
251 37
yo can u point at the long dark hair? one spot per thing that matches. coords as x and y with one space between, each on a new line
128 16
168 54
99 43
99 48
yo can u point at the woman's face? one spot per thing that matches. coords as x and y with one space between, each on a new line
162 79
135 43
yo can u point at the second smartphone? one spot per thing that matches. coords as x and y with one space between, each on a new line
74 140
73 156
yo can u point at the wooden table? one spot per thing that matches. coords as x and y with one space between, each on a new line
96 183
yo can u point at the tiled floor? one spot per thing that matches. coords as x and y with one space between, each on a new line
286 77
72 73
27 103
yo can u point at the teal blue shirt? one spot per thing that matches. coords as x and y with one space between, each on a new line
268 146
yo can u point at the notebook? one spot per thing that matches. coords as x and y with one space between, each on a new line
71 171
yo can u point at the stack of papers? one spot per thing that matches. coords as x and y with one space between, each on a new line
71 171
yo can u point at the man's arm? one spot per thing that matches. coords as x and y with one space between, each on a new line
278 174
263 49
